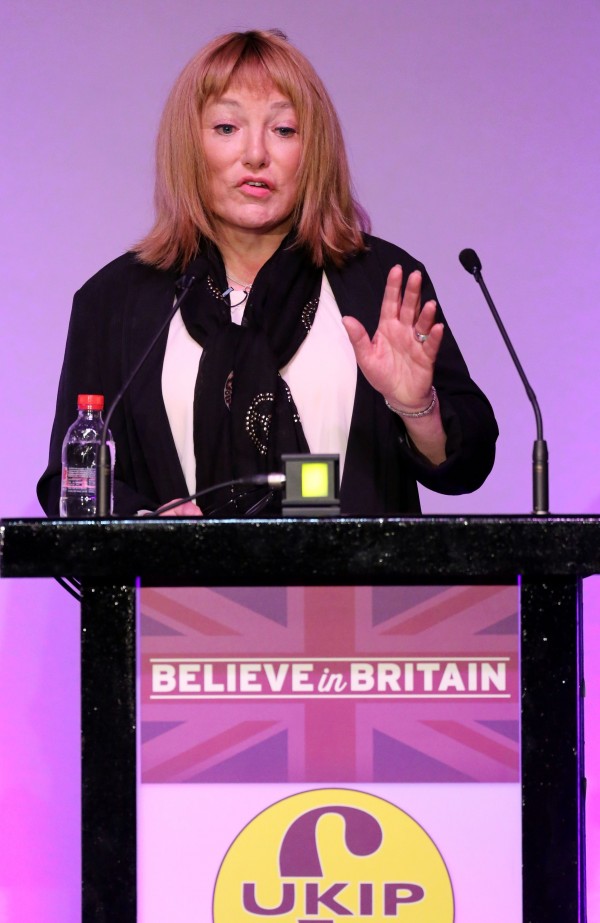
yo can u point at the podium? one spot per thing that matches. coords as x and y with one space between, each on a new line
547 557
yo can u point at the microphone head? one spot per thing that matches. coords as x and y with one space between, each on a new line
470 261
196 270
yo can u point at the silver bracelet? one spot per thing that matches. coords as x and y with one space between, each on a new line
416 413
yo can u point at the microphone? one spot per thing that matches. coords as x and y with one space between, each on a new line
471 262
183 285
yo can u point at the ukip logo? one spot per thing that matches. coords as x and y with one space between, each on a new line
330 855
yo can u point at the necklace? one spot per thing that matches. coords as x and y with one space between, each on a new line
246 286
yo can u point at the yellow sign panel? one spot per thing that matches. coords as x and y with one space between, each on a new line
333 854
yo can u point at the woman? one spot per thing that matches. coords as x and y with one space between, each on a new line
302 332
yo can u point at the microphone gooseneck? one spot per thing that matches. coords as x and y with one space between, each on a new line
103 468
471 262
274 481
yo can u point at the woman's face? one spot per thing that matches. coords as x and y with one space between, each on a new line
252 149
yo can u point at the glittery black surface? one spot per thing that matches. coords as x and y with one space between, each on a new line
552 770
548 555
254 552
108 753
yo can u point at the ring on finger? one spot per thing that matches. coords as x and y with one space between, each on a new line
421 337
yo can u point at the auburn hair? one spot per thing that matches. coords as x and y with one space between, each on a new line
328 220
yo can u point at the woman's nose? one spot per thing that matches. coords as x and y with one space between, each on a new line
255 152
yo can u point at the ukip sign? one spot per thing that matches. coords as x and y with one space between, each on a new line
333 854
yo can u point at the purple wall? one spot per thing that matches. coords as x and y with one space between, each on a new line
468 124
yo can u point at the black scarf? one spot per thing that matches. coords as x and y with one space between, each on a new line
244 414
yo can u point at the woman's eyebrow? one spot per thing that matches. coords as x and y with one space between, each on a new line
228 101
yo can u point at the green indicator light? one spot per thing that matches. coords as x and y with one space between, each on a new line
315 479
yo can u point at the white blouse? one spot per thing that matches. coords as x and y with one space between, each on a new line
321 376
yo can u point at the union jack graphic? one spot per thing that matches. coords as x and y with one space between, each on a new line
331 739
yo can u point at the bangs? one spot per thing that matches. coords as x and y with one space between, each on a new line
251 62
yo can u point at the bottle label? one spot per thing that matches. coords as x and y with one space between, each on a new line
80 480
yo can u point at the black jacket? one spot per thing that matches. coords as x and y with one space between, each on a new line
116 313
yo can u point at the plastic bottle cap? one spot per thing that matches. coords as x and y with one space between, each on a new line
90 402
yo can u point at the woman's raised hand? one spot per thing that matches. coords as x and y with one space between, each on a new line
400 359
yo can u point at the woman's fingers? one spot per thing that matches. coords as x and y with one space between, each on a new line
390 306
431 345
184 509
358 336
425 320
411 300
400 358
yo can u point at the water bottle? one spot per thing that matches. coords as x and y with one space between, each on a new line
79 459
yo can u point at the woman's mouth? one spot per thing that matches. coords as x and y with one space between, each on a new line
255 187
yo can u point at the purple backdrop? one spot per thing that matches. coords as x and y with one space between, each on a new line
468 124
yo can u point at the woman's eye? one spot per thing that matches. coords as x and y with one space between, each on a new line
225 129
285 131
